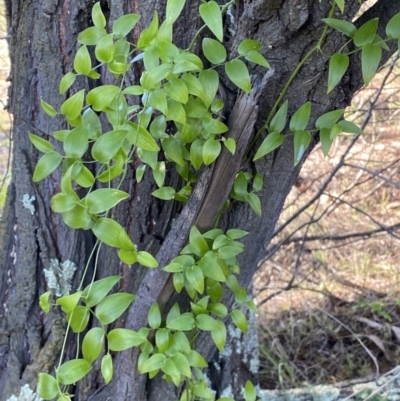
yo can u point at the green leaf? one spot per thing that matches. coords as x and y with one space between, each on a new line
44 302
105 49
211 151
328 120
196 153
72 107
366 33
270 143
162 339
66 82
173 150
209 79
104 199
340 4
82 61
128 257
240 184
326 141
174 9
254 202
121 339
76 143
123 25
107 369
370 59
165 193
250 393
178 281
214 51
257 58
159 174
345 27
240 320
48 109
219 335
72 371
214 126
338 65
348 126
173 268
197 243
92 344
235 233
46 165
184 322
112 234
90 36
113 306
182 364
68 302
171 369
107 146
41 144
211 15
176 112
148 35
196 360
77 217
206 323
154 317
97 290
239 74
158 100
230 144
79 319
193 85
248 45
300 118
393 27
101 97
195 277
181 341
140 137
279 121
98 18
92 122
155 362
177 89
301 141
145 259
218 309
257 183
47 386
158 127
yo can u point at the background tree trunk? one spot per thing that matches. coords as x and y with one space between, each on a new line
43 44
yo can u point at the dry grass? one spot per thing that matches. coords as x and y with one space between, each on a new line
328 295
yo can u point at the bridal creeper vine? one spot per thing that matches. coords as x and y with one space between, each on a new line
175 90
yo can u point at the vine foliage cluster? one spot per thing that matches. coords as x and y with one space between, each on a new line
177 93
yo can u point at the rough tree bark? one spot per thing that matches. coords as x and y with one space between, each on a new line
43 42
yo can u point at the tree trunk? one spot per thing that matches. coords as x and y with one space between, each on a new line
43 43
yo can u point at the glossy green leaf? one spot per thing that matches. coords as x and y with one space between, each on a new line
40 143
240 320
76 143
219 335
196 360
140 137
151 58
370 59
326 141
230 144
159 174
165 193
235 233
92 122
82 61
393 27
90 36
257 184
101 97
300 118
178 281
48 109
113 172
214 51
68 302
97 290
104 199
211 151
248 45
214 126
111 233
154 317
171 369
85 178
113 306
148 35
218 309
184 322
279 121
47 386
107 369
211 15
66 82
162 339
98 18
257 58
146 259
211 269
128 257
174 9
250 393
176 112
240 184
106 147
270 143
135 90
123 25
338 65
173 150
121 339
197 242
182 364
155 362
77 217
193 85
348 126
209 80
46 165
195 277
366 33
158 127
79 318
254 202
92 344
328 120
177 89
72 371
173 313
173 268
196 153
105 49
72 107
345 27
238 73
44 302
340 4
301 141
158 100
206 323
